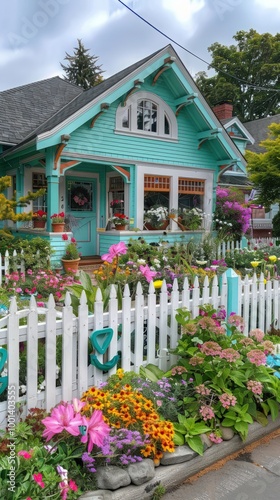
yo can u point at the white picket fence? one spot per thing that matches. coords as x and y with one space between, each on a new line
144 331
5 264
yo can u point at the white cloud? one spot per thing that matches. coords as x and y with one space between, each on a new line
183 10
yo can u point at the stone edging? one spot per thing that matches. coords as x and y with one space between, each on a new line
172 476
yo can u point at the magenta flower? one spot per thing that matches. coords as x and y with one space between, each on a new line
62 418
147 273
39 479
96 430
114 251
24 454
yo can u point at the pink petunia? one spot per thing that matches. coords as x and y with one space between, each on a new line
115 250
24 454
62 418
95 430
147 273
39 479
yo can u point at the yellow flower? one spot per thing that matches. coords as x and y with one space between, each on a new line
272 258
255 263
120 373
158 283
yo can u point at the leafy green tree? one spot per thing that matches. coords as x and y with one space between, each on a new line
243 73
264 168
82 68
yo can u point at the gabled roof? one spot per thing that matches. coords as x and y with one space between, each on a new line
234 120
80 109
23 109
260 132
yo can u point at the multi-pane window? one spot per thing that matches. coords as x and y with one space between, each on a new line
190 193
116 192
156 191
39 181
147 116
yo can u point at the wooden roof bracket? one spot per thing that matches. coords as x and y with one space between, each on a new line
103 107
208 135
231 163
167 65
185 101
64 141
136 86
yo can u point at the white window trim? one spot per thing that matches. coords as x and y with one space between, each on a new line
163 109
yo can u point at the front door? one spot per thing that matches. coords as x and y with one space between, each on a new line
81 212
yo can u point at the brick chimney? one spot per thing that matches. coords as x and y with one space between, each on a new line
223 110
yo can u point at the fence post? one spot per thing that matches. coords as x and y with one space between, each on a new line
232 295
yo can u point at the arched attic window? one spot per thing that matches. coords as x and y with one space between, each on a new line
147 114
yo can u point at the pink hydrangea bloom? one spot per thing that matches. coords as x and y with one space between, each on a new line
207 412
227 400
257 357
257 334
255 387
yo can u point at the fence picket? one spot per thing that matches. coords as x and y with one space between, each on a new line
151 318
125 342
32 355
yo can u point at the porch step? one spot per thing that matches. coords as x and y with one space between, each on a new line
91 260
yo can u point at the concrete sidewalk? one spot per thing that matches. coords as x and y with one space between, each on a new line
217 484
253 475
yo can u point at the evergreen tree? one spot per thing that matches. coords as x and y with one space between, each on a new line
82 68
8 207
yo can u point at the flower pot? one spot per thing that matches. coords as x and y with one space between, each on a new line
163 226
39 224
70 266
120 227
58 227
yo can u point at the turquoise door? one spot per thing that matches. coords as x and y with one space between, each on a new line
81 212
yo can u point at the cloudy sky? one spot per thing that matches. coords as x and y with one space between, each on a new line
35 34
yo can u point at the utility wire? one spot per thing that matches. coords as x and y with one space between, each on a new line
257 87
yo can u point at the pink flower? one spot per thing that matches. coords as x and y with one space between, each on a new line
24 454
255 387
77 405
215 438
227 400
95 430
257 357
147 273
72 485
115 250
257 334
62 418
230 354
65 237
202 389
39 479
207 412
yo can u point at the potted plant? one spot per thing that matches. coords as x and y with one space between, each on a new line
187 218
71 257
156 218
39 219
58 222
120 221
116 203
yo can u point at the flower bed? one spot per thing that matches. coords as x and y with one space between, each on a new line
220 383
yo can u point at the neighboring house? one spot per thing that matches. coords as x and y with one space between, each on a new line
145 135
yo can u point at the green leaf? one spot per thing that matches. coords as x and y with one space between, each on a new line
195 444
274 408
228 422
179 428
242 428
178 439
261 418
265 408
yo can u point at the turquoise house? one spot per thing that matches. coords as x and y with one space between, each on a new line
145 135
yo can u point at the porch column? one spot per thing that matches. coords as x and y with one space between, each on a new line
53 186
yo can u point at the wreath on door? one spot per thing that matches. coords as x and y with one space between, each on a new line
80 197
